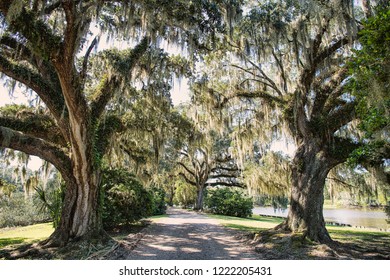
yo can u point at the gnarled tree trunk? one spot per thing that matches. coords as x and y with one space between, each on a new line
309 171
80 216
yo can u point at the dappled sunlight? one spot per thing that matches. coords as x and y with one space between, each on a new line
185 235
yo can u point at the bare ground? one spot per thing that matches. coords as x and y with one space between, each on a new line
185 235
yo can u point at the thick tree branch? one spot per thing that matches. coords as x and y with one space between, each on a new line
108 86
258 94
38 33
53 99
105 132
325 90
341 117
84 69
330 50
186 168
38 126
37 147
187 180
340 150
21 53
104 93
226 184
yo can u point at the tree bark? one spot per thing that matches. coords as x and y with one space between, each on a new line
199 199
80 216
310 169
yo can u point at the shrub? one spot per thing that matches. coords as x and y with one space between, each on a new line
125 199
51 199
229 202
159 204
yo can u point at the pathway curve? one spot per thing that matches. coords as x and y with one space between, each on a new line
185 235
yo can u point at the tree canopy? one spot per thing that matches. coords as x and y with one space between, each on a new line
314 74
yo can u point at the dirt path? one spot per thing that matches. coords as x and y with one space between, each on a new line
185 235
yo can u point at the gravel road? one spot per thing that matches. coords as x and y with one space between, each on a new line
185 235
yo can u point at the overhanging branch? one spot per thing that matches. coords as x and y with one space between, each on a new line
37 147
38 126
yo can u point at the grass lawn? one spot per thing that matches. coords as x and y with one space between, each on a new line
28 234
353 243
338 233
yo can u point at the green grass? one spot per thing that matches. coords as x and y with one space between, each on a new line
346 234
38 232
252 224
28 234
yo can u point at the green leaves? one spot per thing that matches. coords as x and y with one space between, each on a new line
371 69
225 201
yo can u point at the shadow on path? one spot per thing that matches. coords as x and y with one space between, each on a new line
185 235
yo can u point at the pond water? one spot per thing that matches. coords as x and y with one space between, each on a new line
368 218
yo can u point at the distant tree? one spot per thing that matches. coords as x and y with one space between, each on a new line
185 194
6 189
206 165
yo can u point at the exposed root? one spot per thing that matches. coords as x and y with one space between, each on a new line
279 243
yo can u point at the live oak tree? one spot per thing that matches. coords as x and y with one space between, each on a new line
205 159
288 58
46 46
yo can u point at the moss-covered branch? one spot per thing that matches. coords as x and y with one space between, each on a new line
36 125
341 117
103 94
52 98
104 133
42 40
37 147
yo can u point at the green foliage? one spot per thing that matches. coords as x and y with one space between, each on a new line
159 205
125 199
185 194
229 202
387 210
51 201
371 70
18 211
370 152
6 189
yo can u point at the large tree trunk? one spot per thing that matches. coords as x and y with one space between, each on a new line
309 171
199 199
80 217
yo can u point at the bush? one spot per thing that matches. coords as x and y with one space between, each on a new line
18 211
51 199
229 202
159 205
125 200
